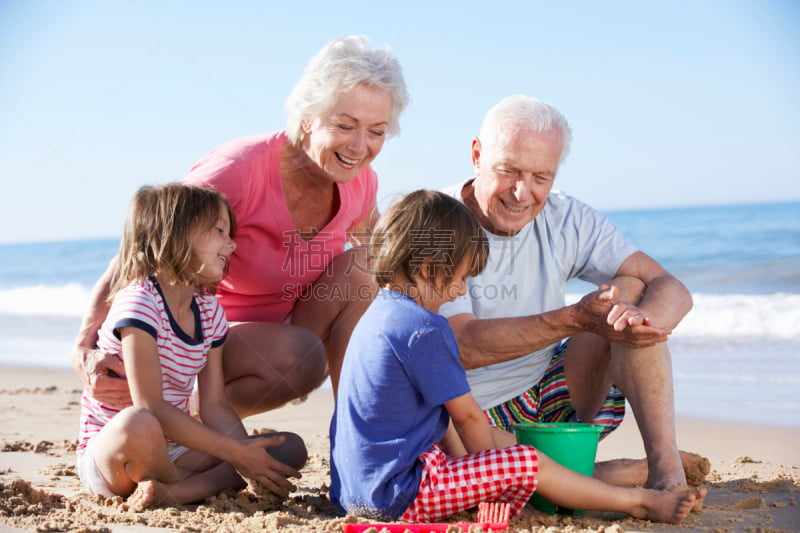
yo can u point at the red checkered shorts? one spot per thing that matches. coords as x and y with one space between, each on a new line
450 485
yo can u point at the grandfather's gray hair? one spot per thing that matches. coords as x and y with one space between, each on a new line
337 68
520 112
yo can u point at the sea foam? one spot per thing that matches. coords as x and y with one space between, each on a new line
733 316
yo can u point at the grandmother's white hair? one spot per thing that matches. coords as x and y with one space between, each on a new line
520 112
339 67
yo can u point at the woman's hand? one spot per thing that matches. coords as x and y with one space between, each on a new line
104 375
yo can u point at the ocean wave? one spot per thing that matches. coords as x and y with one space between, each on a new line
71 299
770 316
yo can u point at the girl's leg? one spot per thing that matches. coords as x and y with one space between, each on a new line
206 476
195 487
131 448
453 484
567 488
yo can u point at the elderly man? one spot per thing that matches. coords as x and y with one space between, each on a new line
529 356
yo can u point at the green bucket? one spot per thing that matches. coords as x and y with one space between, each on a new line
572 445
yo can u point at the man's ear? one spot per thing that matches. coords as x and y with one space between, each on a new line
476 153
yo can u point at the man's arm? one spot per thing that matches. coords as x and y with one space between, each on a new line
485 342
665 300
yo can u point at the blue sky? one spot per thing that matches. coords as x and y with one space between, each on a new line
671 103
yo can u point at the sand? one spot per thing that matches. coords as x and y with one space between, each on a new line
753 486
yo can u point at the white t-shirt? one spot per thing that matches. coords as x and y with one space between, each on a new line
527 275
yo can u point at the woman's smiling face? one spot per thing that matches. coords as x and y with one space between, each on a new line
345 141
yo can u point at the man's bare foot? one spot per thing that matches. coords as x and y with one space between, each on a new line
667 506
622 472
667 475
696 468
149 493
634 472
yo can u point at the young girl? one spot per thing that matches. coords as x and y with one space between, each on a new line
402 382
167 327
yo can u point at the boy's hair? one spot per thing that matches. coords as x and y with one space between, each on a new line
427 225
157 235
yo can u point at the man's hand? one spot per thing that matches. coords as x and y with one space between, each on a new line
104 375
619 322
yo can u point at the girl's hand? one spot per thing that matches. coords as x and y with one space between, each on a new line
257 464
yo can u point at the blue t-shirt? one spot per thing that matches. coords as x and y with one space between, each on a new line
400 367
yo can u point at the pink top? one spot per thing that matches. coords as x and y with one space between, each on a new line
272 266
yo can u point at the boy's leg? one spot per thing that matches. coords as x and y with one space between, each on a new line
572 490
453 484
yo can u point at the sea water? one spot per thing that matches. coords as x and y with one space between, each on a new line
736 356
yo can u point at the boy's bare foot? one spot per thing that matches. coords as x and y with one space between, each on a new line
700 492
149 493
667 506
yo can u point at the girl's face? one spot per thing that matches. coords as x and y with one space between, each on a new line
212 249
442 290
343 142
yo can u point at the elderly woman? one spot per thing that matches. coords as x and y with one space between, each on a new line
293 293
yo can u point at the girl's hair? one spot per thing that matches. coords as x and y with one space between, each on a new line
521 112
427 225
157 236
338 68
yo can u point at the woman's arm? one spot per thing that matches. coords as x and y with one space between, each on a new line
102 373
359 234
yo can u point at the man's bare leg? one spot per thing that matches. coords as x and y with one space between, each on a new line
644 375
592 365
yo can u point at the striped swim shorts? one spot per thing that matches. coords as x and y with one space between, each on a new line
549 401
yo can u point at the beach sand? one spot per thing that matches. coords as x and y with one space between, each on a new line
753 486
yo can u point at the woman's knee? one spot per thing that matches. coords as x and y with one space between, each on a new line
266 365
292 452
267 349
308 365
